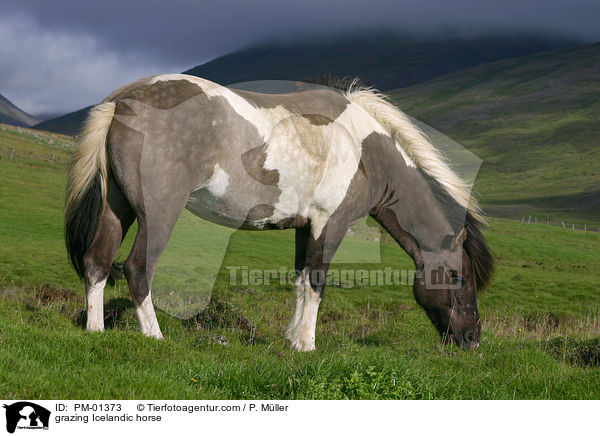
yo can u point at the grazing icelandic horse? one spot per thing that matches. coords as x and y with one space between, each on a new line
318 160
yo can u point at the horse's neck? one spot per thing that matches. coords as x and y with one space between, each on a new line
418 210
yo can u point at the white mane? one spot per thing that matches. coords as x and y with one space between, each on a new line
415 145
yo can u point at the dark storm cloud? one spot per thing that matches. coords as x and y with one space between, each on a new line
63 38
186 31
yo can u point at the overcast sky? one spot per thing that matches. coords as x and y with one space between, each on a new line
61 55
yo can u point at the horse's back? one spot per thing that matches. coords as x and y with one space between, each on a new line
245 158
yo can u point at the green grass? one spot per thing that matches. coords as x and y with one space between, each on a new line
540 333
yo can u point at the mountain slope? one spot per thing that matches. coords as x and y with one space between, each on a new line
384 60
535 122
69 124
11 114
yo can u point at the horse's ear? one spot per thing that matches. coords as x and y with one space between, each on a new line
458 239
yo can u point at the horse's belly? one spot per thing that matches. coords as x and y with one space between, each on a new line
234 214
206 206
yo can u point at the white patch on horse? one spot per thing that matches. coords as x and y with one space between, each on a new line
364 124
95 306
359 123
315 165
218 182
147 318
262 118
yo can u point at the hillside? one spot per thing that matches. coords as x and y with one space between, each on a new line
11 114
69 124
384 60
535 122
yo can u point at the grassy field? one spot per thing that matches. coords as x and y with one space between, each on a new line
540 334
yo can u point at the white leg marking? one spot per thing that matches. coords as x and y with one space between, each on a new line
95 306
147 318
290 333
303 335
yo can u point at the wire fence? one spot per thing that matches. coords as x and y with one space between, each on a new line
527 219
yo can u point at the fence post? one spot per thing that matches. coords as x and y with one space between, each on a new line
529 220
547 220
563 223
522 220
12 153
573 226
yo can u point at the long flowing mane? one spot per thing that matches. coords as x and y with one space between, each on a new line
452 189
415 144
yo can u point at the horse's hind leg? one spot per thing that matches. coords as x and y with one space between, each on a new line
156 182
154 229
112 227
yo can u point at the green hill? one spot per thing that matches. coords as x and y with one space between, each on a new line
535 122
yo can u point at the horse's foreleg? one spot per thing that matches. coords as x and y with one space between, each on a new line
303 338
290 333
310 283
302 235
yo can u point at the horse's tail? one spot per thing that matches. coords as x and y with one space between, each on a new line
416 145
87 180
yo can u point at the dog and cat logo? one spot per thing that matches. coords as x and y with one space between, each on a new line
26 415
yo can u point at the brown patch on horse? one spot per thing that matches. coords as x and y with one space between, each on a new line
163 94
123 108
254 164
329 103
295 222
260 212
317 119
361 168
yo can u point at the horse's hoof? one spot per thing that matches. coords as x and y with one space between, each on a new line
300 345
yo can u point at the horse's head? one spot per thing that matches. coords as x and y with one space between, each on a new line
446 287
